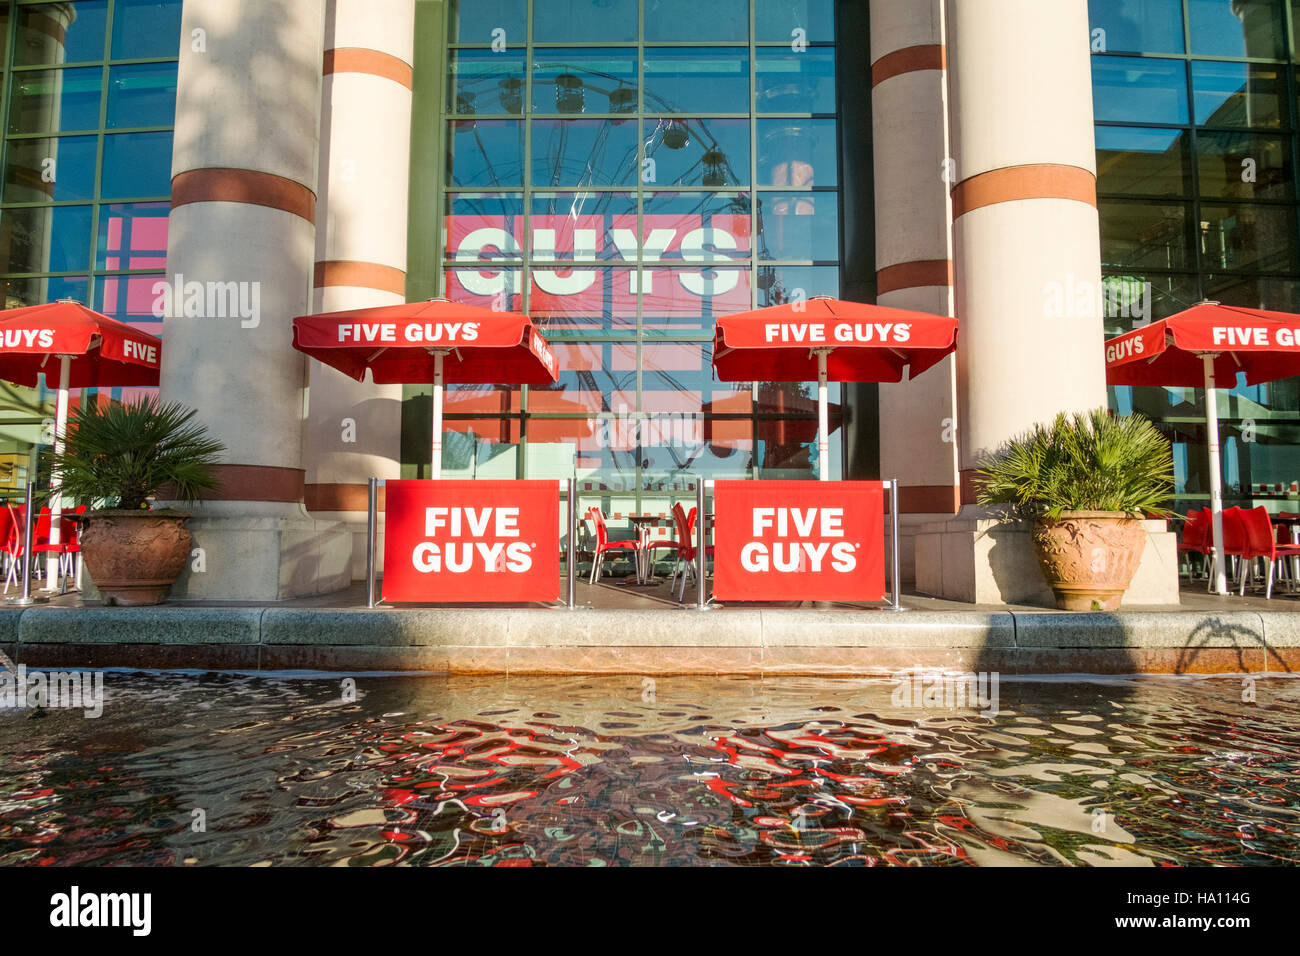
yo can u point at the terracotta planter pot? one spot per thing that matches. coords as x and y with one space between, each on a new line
1089 557
135 556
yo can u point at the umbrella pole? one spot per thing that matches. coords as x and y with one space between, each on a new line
1216 488
823 419
436 469
56 479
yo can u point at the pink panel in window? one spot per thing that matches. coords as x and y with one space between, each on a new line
110 293
140 295
149 233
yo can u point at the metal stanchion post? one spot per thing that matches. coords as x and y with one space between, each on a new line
26 598
895 584
372 522
571 568
701 600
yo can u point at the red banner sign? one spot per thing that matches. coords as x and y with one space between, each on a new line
472 541
685 260
799 541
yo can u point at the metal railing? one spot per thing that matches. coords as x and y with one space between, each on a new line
895 582
569 487
26 599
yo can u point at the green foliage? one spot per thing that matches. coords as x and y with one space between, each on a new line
1085 462
123 453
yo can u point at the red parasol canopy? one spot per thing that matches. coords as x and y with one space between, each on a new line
438 341
829 340
1265 345
1197 347
103 352
397 343
75 347
869 343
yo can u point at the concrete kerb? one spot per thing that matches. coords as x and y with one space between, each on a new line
9 621
164 624
1147 629
776 639
877 629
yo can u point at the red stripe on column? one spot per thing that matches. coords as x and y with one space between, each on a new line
914 275
223 184
929 499
369 62
1015 183
362 275
340 497
257 483
930 56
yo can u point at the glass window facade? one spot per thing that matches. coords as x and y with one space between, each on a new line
624 172
88 92
1196 110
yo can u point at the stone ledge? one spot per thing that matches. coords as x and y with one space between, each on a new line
9 619
791 641
386 626
140 625
887 629
1149 629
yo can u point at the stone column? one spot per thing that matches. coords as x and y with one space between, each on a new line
354 428
1027 270
913 252
240 253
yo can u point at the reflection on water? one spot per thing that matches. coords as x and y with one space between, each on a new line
233 769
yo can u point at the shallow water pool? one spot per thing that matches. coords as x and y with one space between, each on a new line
289 770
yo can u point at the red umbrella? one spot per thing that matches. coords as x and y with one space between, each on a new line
93 351
96 351
1197 347
436 341
826 339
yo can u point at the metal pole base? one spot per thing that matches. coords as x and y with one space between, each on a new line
25 601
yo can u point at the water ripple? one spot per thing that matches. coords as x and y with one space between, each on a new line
247 770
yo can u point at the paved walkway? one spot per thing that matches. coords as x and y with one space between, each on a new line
628 629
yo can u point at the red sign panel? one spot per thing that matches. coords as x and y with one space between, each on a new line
799 541
685 259
490 541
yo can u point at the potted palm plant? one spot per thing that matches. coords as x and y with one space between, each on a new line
119 456
1084 482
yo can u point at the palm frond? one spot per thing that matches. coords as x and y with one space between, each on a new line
124 453
1090 461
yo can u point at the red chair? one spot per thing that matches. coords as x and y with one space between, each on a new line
1283 536
1261 543
41 543
1234 541
688 552
1197 531
650 546
684 549
11 545
605 546
72 547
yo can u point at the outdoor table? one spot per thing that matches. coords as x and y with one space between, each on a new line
645 567
645 557
1293 524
